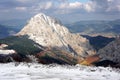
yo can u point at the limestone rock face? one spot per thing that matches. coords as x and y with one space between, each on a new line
111 51
48 32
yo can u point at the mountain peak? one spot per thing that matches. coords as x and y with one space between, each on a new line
47 32
45 23
41 16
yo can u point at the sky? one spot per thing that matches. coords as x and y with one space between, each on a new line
64 10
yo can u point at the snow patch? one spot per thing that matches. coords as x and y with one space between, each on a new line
6 52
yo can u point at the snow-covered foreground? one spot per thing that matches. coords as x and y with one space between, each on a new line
34 71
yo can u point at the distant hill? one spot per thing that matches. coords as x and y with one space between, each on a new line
95 26
14 23
7 31
98 42
10 27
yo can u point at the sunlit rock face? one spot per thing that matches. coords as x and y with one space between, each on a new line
48 32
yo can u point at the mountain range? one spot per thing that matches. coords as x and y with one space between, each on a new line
95 27
51 42
90 27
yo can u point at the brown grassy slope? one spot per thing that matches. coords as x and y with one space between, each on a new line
57 56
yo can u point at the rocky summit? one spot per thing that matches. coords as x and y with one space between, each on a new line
48 32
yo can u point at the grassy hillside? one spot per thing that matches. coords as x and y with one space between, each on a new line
21 44
56 56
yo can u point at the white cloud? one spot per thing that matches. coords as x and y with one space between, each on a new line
73 5
21 8
89 7
48 5
43 6
63 5
60 7
66 7
109 0
105 5
114 6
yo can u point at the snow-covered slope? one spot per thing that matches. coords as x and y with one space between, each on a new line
49 32
56 72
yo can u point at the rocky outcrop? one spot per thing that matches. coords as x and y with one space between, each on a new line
48 32
107 56
111 51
